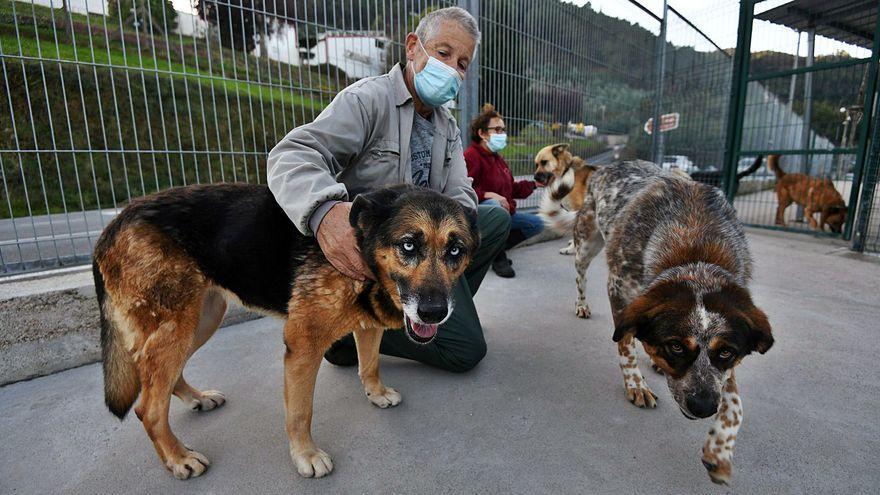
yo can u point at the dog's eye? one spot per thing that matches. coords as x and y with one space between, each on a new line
676 348
455 251
725 354
409 246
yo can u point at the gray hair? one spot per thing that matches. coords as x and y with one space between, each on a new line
430 24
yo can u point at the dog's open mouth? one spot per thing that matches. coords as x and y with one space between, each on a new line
420 333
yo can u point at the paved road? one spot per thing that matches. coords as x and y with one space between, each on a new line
544 413
73 234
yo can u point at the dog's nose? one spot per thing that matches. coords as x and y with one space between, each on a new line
432 312
702 404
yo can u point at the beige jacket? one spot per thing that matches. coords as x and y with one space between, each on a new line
360 141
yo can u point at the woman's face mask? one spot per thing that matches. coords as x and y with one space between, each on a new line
497 142
437 83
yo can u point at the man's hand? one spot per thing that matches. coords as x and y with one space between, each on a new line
501 199
336 237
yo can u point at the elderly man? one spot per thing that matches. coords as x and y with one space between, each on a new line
393 129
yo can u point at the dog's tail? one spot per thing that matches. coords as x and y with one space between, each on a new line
121 382
554 215
773 165
754 168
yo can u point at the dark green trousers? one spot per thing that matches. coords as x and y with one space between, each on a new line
459 344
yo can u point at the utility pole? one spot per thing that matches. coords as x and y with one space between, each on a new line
657 141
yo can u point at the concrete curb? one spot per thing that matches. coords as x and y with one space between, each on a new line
48 331
50 321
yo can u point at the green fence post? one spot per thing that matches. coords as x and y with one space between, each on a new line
863 137
738 89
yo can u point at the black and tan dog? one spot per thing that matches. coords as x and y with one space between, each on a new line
678 270
555 162
165 267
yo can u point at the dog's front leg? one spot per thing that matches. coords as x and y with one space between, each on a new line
637 390
568 249
368 341
718 450
301 362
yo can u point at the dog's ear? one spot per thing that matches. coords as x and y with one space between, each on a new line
559 149
372 208
666 300
735 304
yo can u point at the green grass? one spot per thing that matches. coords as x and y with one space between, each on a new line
131 58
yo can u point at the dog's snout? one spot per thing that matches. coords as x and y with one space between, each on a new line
702 404
432 311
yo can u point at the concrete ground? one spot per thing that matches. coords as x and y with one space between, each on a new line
545 412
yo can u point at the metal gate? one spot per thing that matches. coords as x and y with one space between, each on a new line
813 109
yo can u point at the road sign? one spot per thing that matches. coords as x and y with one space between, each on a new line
668 122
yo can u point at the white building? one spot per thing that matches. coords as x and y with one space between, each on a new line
357 53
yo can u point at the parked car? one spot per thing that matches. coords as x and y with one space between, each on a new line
680 162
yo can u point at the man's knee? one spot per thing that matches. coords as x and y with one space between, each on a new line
468 359
494 224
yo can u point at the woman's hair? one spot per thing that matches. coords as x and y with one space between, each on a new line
481 122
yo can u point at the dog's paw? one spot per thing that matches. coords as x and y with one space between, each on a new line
641 396
189 465
567 250
312 463
719 469
210 399
388 398
582 311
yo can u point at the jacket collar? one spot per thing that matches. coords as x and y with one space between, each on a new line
402 97
401 92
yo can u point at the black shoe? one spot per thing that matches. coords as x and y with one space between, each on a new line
502 266
342 352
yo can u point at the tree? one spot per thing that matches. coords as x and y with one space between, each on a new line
240 23
145 14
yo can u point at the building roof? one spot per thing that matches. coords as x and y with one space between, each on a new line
849 21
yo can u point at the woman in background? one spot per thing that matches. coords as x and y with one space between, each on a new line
494 184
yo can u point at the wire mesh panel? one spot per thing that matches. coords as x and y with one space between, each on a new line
695 91
559 72
108 100
805 94
105 101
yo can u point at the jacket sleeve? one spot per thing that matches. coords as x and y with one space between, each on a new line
458 187
523 189
302 168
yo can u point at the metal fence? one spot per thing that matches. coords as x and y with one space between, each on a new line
804 89
105 101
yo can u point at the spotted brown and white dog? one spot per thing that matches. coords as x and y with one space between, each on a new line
166 266
553 162
678 271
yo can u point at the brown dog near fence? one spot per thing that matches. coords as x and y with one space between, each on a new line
166 266
814 194
555 162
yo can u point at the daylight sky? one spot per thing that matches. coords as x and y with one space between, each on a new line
717 18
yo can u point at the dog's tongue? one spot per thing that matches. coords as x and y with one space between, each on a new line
424 331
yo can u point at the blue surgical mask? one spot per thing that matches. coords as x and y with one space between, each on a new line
437 83
497 142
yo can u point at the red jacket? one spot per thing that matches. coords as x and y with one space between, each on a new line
491 174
